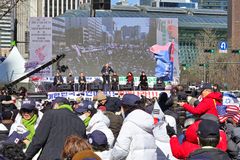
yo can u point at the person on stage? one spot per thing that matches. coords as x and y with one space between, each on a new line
106 70
82 82
57 81
130 79
143 85
115 81
70 80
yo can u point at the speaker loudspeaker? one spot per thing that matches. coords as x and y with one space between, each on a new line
125 87
95 87
158 87
65 87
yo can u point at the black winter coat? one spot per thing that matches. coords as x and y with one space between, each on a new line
53 129
208 154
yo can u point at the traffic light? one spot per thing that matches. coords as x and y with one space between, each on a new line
185 66
209 50
236 51
203 65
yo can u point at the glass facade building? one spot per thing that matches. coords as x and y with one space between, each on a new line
213 4
190 21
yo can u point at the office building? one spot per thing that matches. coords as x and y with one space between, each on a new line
146 2
234 24
53 8
175 3
213 4
190 24
6 27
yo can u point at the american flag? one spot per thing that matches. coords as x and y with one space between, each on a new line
229 109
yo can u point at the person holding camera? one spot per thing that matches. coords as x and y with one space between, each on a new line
208 104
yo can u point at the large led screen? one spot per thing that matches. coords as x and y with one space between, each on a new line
127 44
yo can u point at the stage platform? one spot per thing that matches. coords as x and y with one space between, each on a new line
90 94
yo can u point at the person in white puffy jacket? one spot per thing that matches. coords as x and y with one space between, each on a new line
135 140
94 120
27 120
162 139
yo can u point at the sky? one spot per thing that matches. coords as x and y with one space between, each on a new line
130 2
142 22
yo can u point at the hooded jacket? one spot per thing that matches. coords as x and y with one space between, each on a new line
182 151
207 105
135 140
101 122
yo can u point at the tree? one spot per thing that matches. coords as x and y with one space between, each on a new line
221 68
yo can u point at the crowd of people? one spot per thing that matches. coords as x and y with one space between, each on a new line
168 127
131 56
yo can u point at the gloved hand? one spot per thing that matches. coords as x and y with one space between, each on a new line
170 131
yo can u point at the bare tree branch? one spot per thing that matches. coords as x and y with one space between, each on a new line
9 9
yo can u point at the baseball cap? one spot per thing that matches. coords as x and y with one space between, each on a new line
28 104
208 129
84 106
205 86
130 99
60 100
97 138
210 117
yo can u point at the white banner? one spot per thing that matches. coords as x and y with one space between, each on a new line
89 94
40 44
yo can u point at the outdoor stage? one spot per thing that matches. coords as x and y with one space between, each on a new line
89 94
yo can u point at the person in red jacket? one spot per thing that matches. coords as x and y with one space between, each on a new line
130 79
190 144
208 104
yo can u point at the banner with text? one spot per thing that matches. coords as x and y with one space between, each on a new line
90 94
40 29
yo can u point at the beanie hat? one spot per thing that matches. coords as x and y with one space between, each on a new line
101 96
208 129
